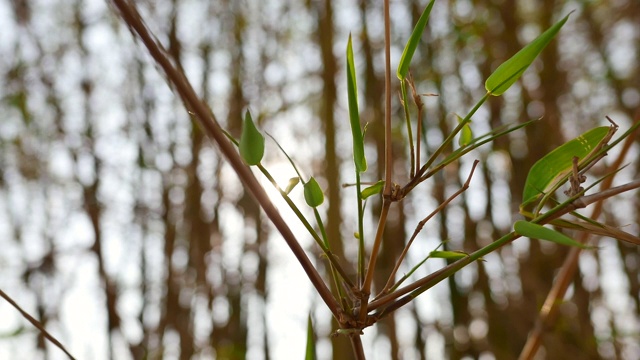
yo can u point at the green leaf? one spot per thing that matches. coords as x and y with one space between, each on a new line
373 189
556 166
292 184
310 353
412 44
251 142
312 193
536 231
450 255
511 70
354 115
466 135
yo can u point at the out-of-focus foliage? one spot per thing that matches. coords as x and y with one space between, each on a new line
125 233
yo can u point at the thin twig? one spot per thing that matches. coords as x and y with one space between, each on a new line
425 283
387 101
207 120
407 117
325 249
386 194
419 227
366 286
36 323
419 105
420 175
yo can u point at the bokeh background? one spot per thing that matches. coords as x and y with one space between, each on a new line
124 231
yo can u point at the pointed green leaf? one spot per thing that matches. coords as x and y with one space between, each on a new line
555 167
511 70
466 135
354 116
310 353
373 189
536 231
450 255
292 184
312 193
412 44
251 142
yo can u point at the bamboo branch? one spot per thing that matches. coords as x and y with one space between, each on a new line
386 194
419 227
207 120
36 323
387 102
413 290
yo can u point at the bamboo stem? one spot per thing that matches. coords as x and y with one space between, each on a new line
207 120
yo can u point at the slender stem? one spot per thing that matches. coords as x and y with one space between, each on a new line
419 104
449 138
321 226
361 245
388 156
418 135
324 245
332 260
410 272
181 84
36 323
458 154
334 275
421 224
366 286
386 194
431 280
407 117
420 175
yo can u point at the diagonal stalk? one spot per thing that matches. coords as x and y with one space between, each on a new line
37 324
322 243
421 224
182 86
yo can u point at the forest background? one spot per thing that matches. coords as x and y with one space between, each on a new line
122 229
